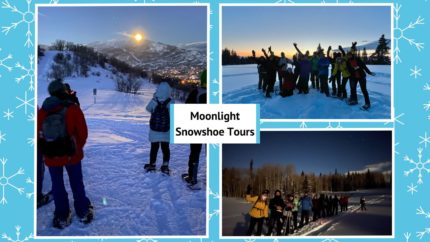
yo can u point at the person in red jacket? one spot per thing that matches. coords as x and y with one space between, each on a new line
77 133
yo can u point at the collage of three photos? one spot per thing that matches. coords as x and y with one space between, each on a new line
107 75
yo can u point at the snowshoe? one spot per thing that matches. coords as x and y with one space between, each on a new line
352 102
89 216
165 170
61 223
193 185
45 199
149 167
365 107
186 178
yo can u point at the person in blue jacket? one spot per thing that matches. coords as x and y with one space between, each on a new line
306 207
323 65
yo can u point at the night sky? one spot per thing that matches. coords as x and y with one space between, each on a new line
166 24
313 151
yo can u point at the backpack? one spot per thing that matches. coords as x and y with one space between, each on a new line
54 139
160 118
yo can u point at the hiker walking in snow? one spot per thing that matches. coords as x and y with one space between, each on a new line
306 207
358 70
363 204
62 133
197 96
259 211
276 206
159 124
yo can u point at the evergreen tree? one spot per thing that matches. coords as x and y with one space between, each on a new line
382 51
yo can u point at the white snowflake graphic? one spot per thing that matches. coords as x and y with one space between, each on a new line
214 194
29 195
421 234
54 1
396 120
31 141
425 140
18 236
31 117
303 125
407 236
2 137
337 1
28 73
5 181
400 33
416 72
26 103
8 114
284 1
214 213
412 189
146 240
4 64
330 240
395 148
331 126
27 18
420 166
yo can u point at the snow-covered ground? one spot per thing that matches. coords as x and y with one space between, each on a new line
239 85
127 201
376 221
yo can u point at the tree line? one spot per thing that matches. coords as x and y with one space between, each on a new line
288 180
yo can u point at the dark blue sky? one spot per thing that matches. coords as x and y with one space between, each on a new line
313 151
255 27
166 24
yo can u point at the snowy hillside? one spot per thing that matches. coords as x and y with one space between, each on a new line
151 55
127 200
239 85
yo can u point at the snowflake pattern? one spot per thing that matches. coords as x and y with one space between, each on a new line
407 236
5 181
331 126
3 63
27 18
2 137
330 240
421 234
400 33
8 114
420 166
18 236
28 73
416 72
412 189
26 103
425 140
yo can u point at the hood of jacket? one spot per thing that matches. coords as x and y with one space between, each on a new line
52 103
163 91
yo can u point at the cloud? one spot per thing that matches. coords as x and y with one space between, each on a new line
384 167
125 34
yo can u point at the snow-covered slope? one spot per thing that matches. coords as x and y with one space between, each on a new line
127 200
239 85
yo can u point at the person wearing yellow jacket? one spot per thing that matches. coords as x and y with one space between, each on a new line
341 66
259 210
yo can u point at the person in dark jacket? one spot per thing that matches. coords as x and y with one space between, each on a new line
272 67
197 96
276 206
262 71
305 71
358 70
316 209
288 214
323 65
288 84
76 128
72 94
336 205
363 204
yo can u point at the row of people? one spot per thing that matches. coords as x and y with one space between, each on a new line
344 67
282 215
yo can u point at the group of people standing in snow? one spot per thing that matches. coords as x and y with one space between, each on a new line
281 214
296 73
62 133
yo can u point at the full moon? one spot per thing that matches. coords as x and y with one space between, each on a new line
138 37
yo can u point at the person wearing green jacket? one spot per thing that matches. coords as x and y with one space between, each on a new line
341 66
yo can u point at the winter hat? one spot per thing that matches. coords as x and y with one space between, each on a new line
266 192
203 77
163 91
56 88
